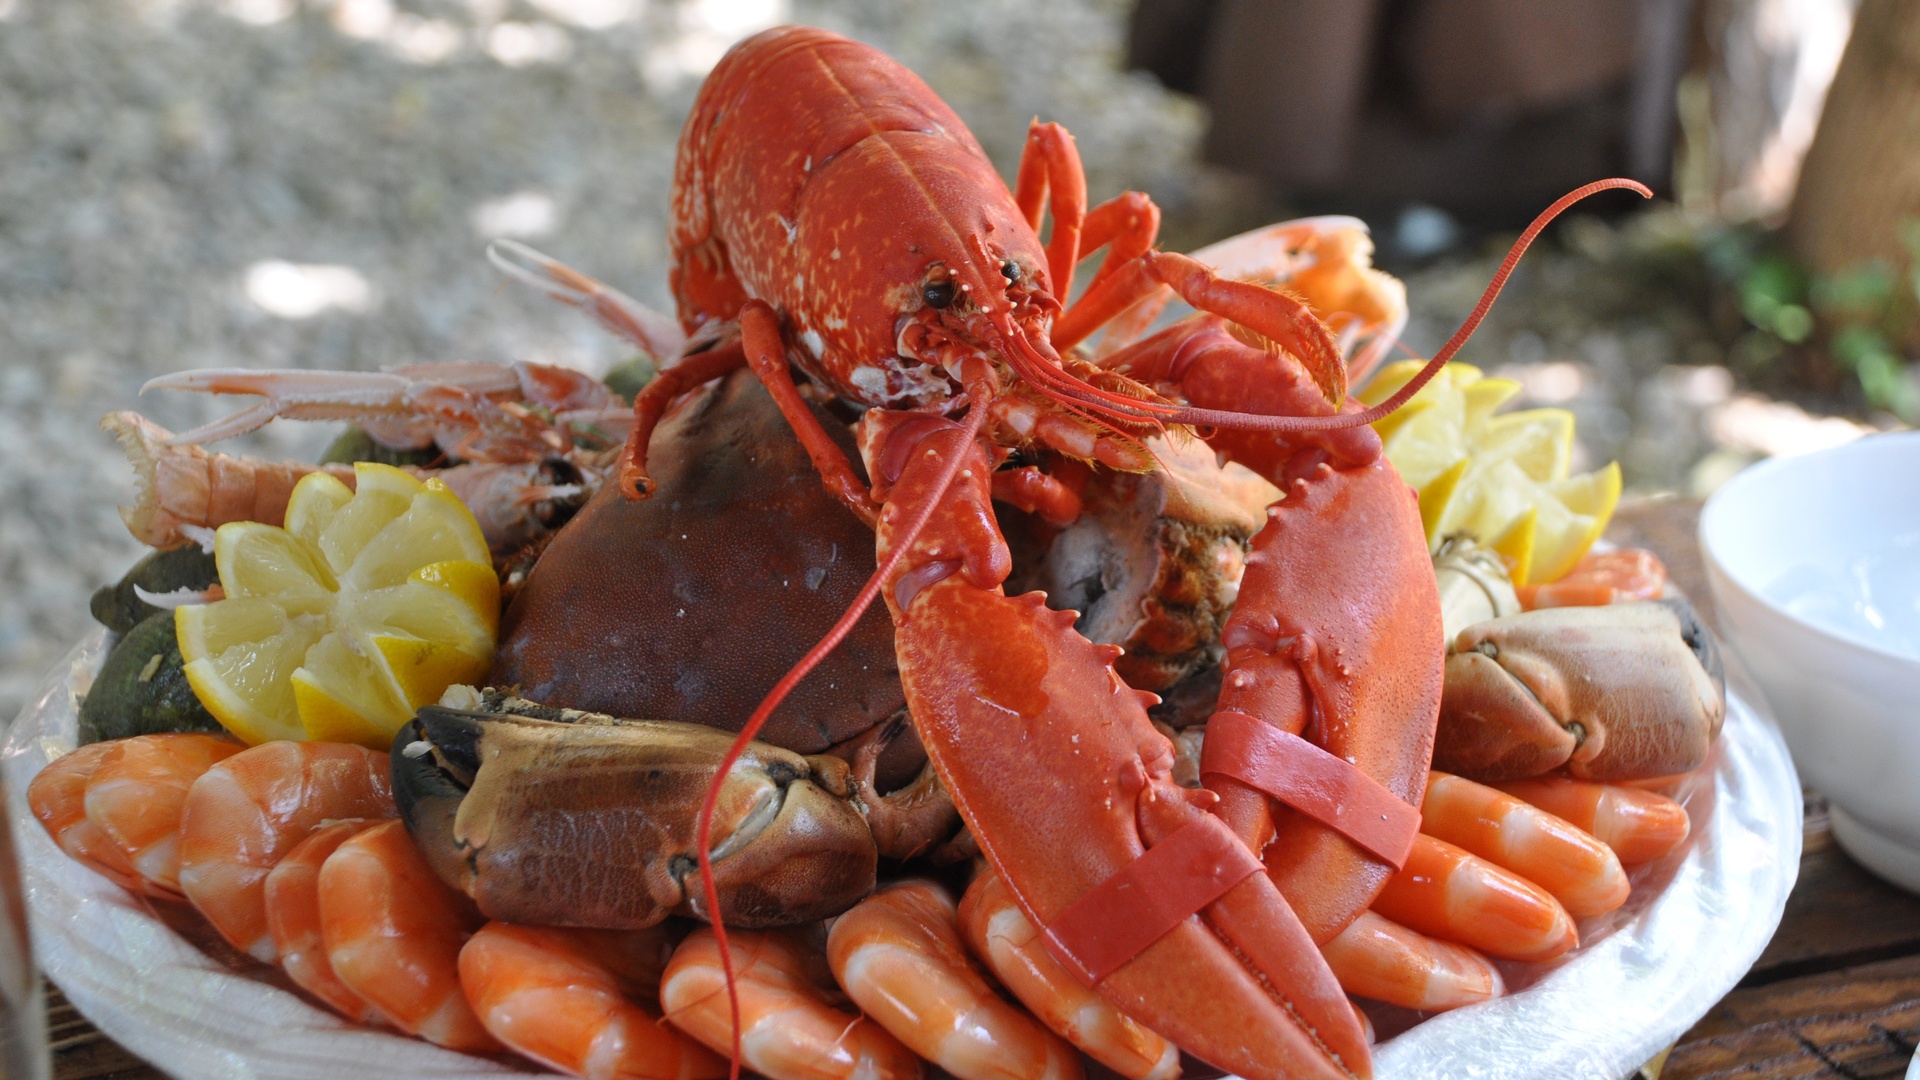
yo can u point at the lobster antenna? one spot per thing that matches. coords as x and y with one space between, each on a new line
1447 351
709 888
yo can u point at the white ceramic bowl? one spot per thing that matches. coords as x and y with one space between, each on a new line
1849 704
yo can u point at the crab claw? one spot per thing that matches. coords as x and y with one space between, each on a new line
561 818
1621 692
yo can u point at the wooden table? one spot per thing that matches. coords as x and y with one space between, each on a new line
1836 994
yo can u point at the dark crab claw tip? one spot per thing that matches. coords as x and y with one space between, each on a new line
1706 648
453 734
427 795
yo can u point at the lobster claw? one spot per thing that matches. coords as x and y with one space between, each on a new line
1067 788
561 818
1621 692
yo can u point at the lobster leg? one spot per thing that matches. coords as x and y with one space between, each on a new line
767 353
762 346
1130 222
1050 165
1053 763
651 403
1327 261
1336 636
1269 318
1050 172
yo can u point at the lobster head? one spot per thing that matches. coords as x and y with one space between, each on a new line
893 256
910 288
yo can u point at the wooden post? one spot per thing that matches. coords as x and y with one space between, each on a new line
1861 178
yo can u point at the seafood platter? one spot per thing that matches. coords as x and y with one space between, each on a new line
1235 702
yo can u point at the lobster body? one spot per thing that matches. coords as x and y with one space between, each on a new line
812 168
826 199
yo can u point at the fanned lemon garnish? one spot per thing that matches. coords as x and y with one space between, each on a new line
1501 477
366 606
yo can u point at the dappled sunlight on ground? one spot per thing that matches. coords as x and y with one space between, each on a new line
310 183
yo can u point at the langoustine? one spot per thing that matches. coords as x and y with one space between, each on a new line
183 492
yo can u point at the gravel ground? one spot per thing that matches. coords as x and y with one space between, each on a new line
160 160
307 183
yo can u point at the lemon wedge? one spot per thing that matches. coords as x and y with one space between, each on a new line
1500 477
368 604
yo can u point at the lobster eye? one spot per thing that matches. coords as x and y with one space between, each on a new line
938 294
1010 270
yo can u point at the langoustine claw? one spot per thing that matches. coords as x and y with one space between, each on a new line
1621 692
476 411
505 805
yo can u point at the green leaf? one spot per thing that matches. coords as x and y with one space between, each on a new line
1862 292
1792 323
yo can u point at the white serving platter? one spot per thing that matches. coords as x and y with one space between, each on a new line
1694 925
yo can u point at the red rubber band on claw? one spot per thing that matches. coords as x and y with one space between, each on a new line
1328 789
1143 901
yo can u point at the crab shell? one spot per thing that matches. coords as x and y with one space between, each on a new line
690 605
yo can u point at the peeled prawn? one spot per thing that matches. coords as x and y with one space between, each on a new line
899 956
1640 826
1003 937
248 811
571 1000
394 932
293 915
57 797
1377 958
139 790
1450 894
1580 871
788 1029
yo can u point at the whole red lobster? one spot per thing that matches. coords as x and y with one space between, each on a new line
829 202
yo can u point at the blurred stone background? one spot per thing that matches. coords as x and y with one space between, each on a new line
309 183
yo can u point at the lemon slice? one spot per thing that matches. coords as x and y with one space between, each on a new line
367 605
1500 477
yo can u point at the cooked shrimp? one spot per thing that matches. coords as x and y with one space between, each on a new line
1599 578
58 797
1377 958
1640 826
1450 894
1002 936
394 931
571 1000
899 956
139 790
1580 871
789 1031
292 899
251 809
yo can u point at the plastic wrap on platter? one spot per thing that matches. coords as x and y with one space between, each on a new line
1695 923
